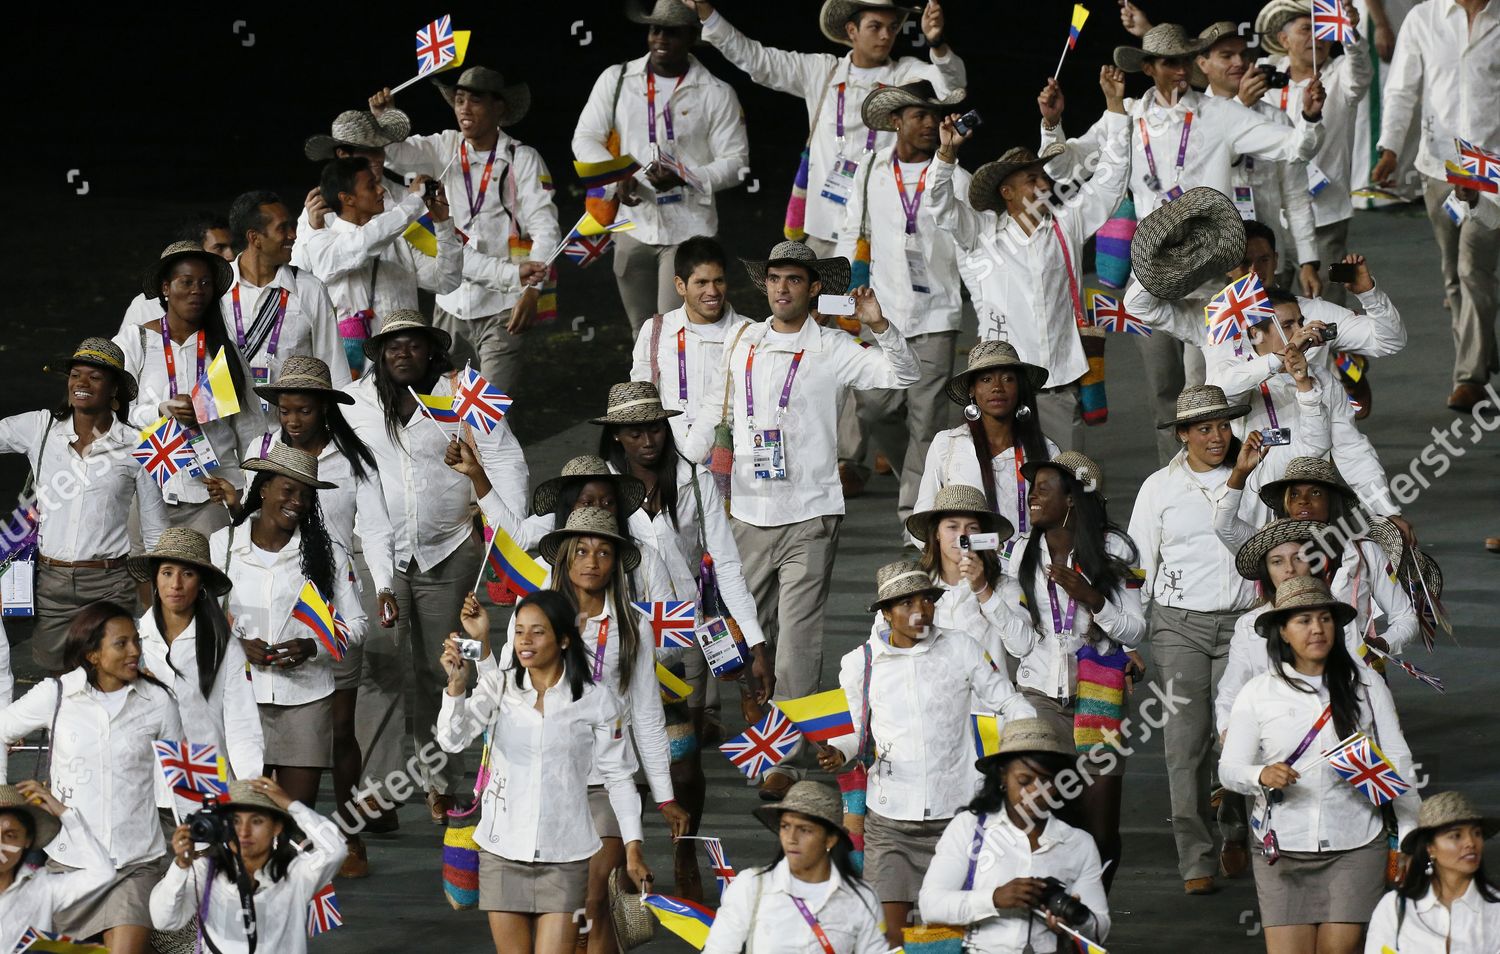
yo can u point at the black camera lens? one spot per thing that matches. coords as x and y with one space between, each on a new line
1329 331
1061 904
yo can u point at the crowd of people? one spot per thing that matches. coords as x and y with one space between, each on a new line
1266 572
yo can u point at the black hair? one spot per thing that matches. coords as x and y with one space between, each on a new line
283 850
991 797
1280 296
1340 673
618 594
666 466
1260 230
245 215
317 547
698 250
120 407
1025 430
840 858
390 394
85 634
216 336
28 823
1092 528
563 619
213 627
341 175
349 443
199 224
1415 885
1231 455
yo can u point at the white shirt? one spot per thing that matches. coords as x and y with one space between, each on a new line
1346 80
38 893
1247 659
1450 72
1470 926
266 588
536 805
756 913
84 502
1064 853
1172 525
516 202
1279 191
702 353
919 720
951 459
280 906
310 326
1322 812
815 78
140 310
102 766
228 717
875 210
832 361
431 505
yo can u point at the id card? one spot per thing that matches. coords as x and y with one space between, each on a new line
916 267
1244 202
1172 194
719 647
262 378
16 589
1457 209
840 182
668 198
1316 180
768 454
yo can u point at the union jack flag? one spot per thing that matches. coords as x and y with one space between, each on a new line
1110 314
191 768
32 935
672 622
479 403
164 450
763 745
1331 22
1363 765
435 46
323 912
588 249
722 870
1242 303
1478 161
341 631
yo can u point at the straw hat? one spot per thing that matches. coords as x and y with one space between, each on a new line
358 129
634 925
181 545
46 824
832 272
634 402
813 799
244 797
1163 40
672 14
984 186
303 374
880 108
590 522
1214 32
1444 809
1306 470
1250 560
1277 14
629 492
836 13
151 282
959 499
1405 559
901 579
988 354
1028 737
405 319
103 353
1077 465
1186 242
482 79
1204 402
1298 594
287 461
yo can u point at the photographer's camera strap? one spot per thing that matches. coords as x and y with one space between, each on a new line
812 922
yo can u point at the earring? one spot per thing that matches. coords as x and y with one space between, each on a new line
1428 870
971 410
1023 412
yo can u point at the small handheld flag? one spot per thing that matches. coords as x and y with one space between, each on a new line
1241 304
585 227
986 731
167 447
594 175
586 250
422 235
511 565
1330 21
440 48
1461 177
1361 763
820 717
1477 161
1421 675
673 689
672 622
718 862
323 912
1110 314
48 942
763 745
213 395
686 919
192 769
439 407
1080 16
477 402
315 613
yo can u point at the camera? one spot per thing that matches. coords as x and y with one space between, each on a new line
470 649
968 122
1275 79
1275 436
208 826
1329 331
430 190
1060 904
979 541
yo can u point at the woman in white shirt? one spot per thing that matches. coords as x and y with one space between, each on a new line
547 725
31 817
809 899
1445 904
286 852
909 690
1073 602
1324 852
968 577
103 714
1004 867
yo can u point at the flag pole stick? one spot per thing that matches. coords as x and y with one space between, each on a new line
1066 46
398 89
484 564
1329 754
428 414
1313 11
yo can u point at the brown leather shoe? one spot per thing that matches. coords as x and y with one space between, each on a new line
1464 397
1234 859
1199 886
882 464
439 806
689 880
1492 544
774 786
378 821
357 864
853 484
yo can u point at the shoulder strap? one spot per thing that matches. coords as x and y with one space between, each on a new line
864 206
656 323
818 109
44 759
228 558
974 851
36 468
729 378
698 499
864 704
614 104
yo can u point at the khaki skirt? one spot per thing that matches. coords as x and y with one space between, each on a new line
347 671
124 901
516 887
299 736
897 854
1321 887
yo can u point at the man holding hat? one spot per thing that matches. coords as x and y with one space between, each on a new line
356 133
685 127
834 89
506 204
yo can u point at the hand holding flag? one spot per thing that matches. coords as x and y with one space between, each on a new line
1080 16
439 48
314 612
1241 303
820 717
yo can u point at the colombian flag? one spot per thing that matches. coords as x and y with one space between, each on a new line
1080 14
686 919
597 174
422 235
314 612
673 689
439 407
213 395
986 729
1464 179
820 717
512 565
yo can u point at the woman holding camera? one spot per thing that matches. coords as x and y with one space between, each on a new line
963 566
30 895
1008 868
549 726
1322 866
103 714
270 854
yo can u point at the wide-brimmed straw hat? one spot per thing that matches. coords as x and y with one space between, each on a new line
988 354
1298 594
899 580
813 799
157 273
1204 402
243 797
634 925
629 492
288 461
103 353
1163 40
1406 560
959 499
880 108
303 374
1307 470
405 319
1196 237
590 522
1075 464
1277 14
836 13
832 272
482 79
46 824
1444 809
1215 32
181 545
984 187
1250 559
671 14
634 402
358 129
1028 737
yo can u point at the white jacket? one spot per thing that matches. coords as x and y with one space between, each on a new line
1470 925
756 915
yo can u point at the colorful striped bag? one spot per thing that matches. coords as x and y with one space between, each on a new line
796 205
1112 246
460 851
1100 709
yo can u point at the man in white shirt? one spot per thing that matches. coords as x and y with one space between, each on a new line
1447 63
684 126
208 229
681 351
507 221
834 90
785 378
1383 20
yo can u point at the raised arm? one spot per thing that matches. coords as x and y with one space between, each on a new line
800 74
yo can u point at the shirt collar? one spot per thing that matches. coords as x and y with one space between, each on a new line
637 67
808 338
781 880
282 279
1469 899
1050 833
120 434
76 682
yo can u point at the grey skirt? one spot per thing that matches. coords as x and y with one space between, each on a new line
124 901
1321 887
897 854
299 736
517 887
347 671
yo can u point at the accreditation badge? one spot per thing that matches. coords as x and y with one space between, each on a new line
840 182
1316 180
916 266
768 454
1244 202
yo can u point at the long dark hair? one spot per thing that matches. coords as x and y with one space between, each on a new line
121 406
1025 429
567 502
1092 528
213 627
283 851
617 597
390 394
839 857
215 337
666 466
317 548
563 619
1340 673
1417 881
349 444
85 634
931 559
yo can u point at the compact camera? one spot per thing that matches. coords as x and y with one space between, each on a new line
470 649
1275 436
968 122
1275 79
979 541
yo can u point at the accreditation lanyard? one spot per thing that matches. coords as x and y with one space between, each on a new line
239 321
666 110
786 388
812 922
484 178
1021 521
1312 733
910 207
1062 620
1062 243
838 124
682 366
599 649
171 359
1265 395
1182 146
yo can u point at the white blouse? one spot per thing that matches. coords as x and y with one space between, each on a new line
951 459
757 914
38 893
1471 925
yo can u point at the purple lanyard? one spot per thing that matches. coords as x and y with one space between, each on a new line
812 922
1062 622
838 124
603 640
484 184
974 851
239 324
1187 130
786 388
1265 395
171 358
911 207
1022 523
1312 733
682 366
666 110
265 445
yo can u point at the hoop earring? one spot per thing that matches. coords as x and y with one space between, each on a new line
1023 412
971 410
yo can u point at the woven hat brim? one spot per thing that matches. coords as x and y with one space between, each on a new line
517 98
1273 492
833 273
1132 59
1250 559
393 124
1490 827
272 467
128 383
881 603
1204 214
630 493
271 391
836 13
47 826
143 568
635 415
151 281
1228 413
269 807
630 554
642 13
920 524
1271 18
770 816
1057 750
984 185
1343 615
373 344
958 385
881 106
